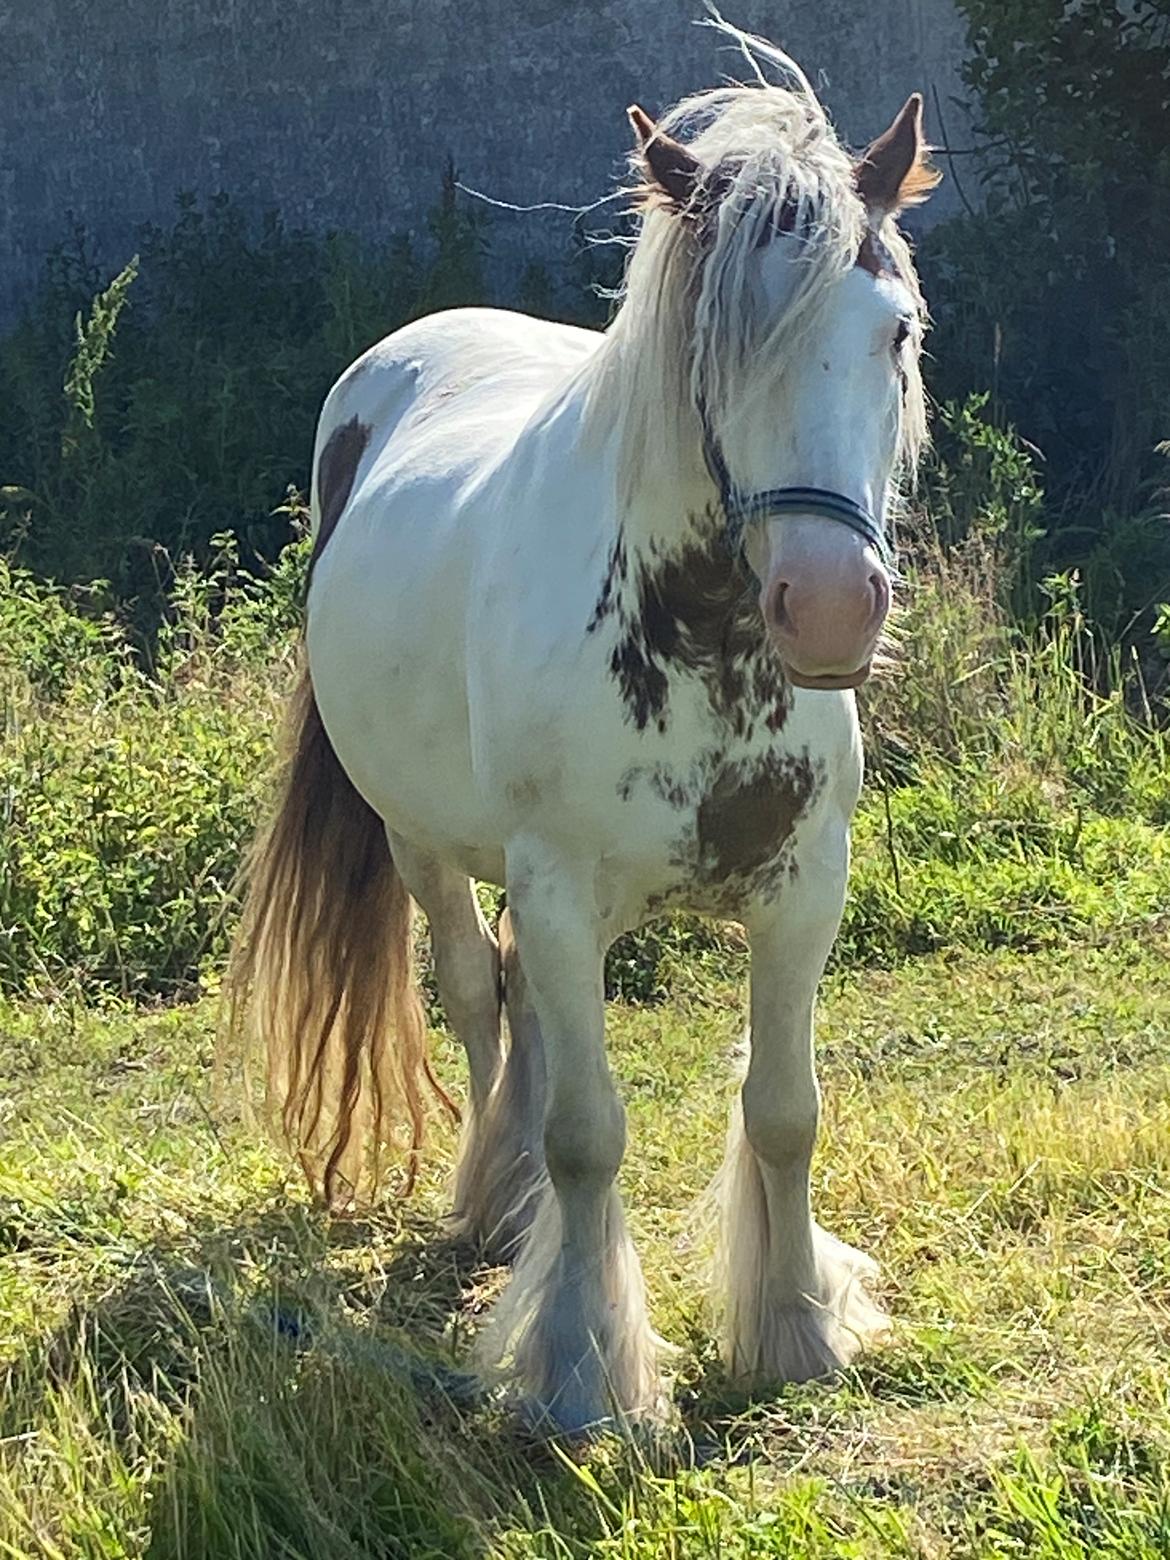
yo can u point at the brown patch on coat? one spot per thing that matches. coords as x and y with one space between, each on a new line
523 794
675 790
738 843
617 571
694 614
747 817
874 257
336 471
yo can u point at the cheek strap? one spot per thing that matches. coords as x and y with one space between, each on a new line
743 509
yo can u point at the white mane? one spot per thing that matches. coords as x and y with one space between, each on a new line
691 325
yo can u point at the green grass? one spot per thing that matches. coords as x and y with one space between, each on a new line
198 1364
195 1363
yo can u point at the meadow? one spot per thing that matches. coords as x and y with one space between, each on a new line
198 1363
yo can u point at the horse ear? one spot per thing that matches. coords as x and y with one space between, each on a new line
669 166
894 171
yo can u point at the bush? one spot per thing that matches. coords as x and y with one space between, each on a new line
980 483
1055 297
1020 789
214 349
1013 801
130 791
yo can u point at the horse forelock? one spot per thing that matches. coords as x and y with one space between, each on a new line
689 330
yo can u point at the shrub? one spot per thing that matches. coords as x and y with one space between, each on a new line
980 484
213 349
1012 800
1055 297
1020 788
130 791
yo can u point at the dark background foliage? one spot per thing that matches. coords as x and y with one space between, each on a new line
1054 295
181 404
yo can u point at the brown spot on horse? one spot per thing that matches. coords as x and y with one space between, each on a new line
747 817
693 613
336 471
874 257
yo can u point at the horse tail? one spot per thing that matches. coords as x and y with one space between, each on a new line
320 985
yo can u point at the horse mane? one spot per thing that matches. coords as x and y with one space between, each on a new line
689 327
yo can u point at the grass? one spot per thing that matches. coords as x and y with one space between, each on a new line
195 1363
198 1364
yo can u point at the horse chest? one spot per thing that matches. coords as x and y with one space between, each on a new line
683 622
714 789
720 831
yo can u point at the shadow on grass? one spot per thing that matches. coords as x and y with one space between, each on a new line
728 1421
292 1387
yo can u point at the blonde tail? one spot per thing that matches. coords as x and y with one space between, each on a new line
321 981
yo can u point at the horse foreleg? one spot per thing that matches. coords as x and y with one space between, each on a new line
571 1329
796 1305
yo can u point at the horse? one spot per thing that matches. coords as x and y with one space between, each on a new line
585 615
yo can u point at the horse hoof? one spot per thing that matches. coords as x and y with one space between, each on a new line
567 1427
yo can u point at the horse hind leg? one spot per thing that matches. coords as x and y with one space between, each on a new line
499 1160
467 962
501 1167
467 973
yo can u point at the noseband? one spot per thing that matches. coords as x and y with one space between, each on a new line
742 509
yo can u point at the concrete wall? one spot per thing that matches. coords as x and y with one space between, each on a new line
341 113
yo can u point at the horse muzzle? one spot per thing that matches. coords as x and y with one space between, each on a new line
825 601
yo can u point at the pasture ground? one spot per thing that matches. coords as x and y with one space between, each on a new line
197 1364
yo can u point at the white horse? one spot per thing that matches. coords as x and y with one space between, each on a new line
585 615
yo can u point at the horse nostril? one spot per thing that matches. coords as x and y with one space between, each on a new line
879 587
777 610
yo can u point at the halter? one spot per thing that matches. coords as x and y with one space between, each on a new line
743 509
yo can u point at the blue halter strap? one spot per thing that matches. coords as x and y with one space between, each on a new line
743 509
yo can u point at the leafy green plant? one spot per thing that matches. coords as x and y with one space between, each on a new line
981 482
94 340
455 277
229 332
1055 295
131 790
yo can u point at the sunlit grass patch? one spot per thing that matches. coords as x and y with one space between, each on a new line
199 1364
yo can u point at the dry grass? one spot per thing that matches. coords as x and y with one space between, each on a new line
198 1365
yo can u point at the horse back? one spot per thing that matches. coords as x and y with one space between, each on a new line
437 401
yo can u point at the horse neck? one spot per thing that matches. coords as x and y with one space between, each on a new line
667 513
665 498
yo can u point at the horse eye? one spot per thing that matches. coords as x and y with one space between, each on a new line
783 221
901 335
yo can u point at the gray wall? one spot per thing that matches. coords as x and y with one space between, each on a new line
340 113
